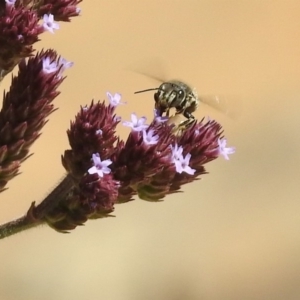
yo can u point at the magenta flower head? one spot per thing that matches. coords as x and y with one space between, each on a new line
152 163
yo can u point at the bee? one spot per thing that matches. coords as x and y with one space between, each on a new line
178 95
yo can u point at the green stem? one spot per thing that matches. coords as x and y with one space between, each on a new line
16 226
35 215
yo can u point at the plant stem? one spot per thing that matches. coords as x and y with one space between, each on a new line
16 226
35 215
51 201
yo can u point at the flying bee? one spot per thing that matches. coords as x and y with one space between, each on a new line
178 95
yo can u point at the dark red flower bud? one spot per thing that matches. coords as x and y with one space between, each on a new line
27 105
93 199
19 30
62 10
201 141
144 154
93 131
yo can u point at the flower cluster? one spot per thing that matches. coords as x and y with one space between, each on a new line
21 23
28 102
26 107
152 163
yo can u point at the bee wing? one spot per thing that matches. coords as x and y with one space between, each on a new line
230 105
154 68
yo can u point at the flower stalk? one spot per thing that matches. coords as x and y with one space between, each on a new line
102 170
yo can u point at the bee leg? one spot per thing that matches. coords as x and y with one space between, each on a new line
185 124
190 119
188 115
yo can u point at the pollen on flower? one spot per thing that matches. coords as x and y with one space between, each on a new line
100 167
49 23
223 150
149 137
136 124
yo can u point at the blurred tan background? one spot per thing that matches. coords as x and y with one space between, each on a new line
233 235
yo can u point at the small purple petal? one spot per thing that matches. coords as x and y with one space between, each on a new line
100 167
176 152
10 2
115 99
134 118
223 150
49 23
158 118
64 64
149 138
49 66
136 124
181 163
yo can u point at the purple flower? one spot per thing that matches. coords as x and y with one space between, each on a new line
136 124
49 23
182 165
223 150
99 132
64 64
100 167
176 152
158 118
10 2
197 132
115 99
49 66
149 138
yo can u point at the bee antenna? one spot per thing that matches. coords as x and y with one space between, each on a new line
155 89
